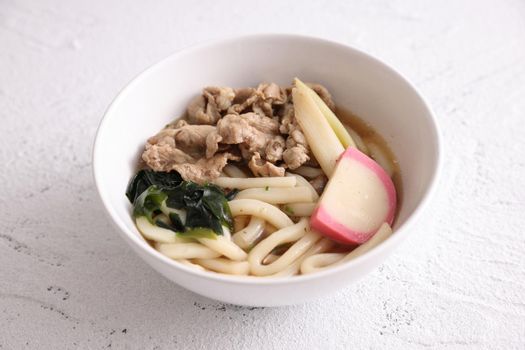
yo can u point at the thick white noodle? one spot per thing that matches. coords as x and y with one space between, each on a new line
321 246
298 232
309 172
263 210
190 264
154 229
361 145
249 234
381 158
233 171
277 195
226 233
227 266
302 182
224 246
155 233
300 209
251 182
186 251
240 222
319 261
270 258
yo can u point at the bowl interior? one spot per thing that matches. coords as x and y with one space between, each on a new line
358 82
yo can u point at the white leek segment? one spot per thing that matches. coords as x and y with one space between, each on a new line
330 116
322 139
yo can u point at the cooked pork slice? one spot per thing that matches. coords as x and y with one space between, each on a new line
297 150
234 129
244 99
271 96
287 114
191 139
250 130
262 123
263 108
205 169
222 96
296 137
206 108
165 136
184 150
274 149
178 123
261 100
212 143
272 92
201 112
295 156
163 156
260 167
243 94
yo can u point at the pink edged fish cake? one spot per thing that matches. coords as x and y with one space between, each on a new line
358 199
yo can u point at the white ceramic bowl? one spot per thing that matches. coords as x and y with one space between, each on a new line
358 82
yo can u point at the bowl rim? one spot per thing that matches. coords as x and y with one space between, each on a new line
400 233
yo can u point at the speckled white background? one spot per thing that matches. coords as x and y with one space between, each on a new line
68 281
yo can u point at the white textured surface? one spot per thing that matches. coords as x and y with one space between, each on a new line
66 278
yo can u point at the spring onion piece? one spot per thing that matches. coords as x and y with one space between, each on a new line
322 139
332 119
